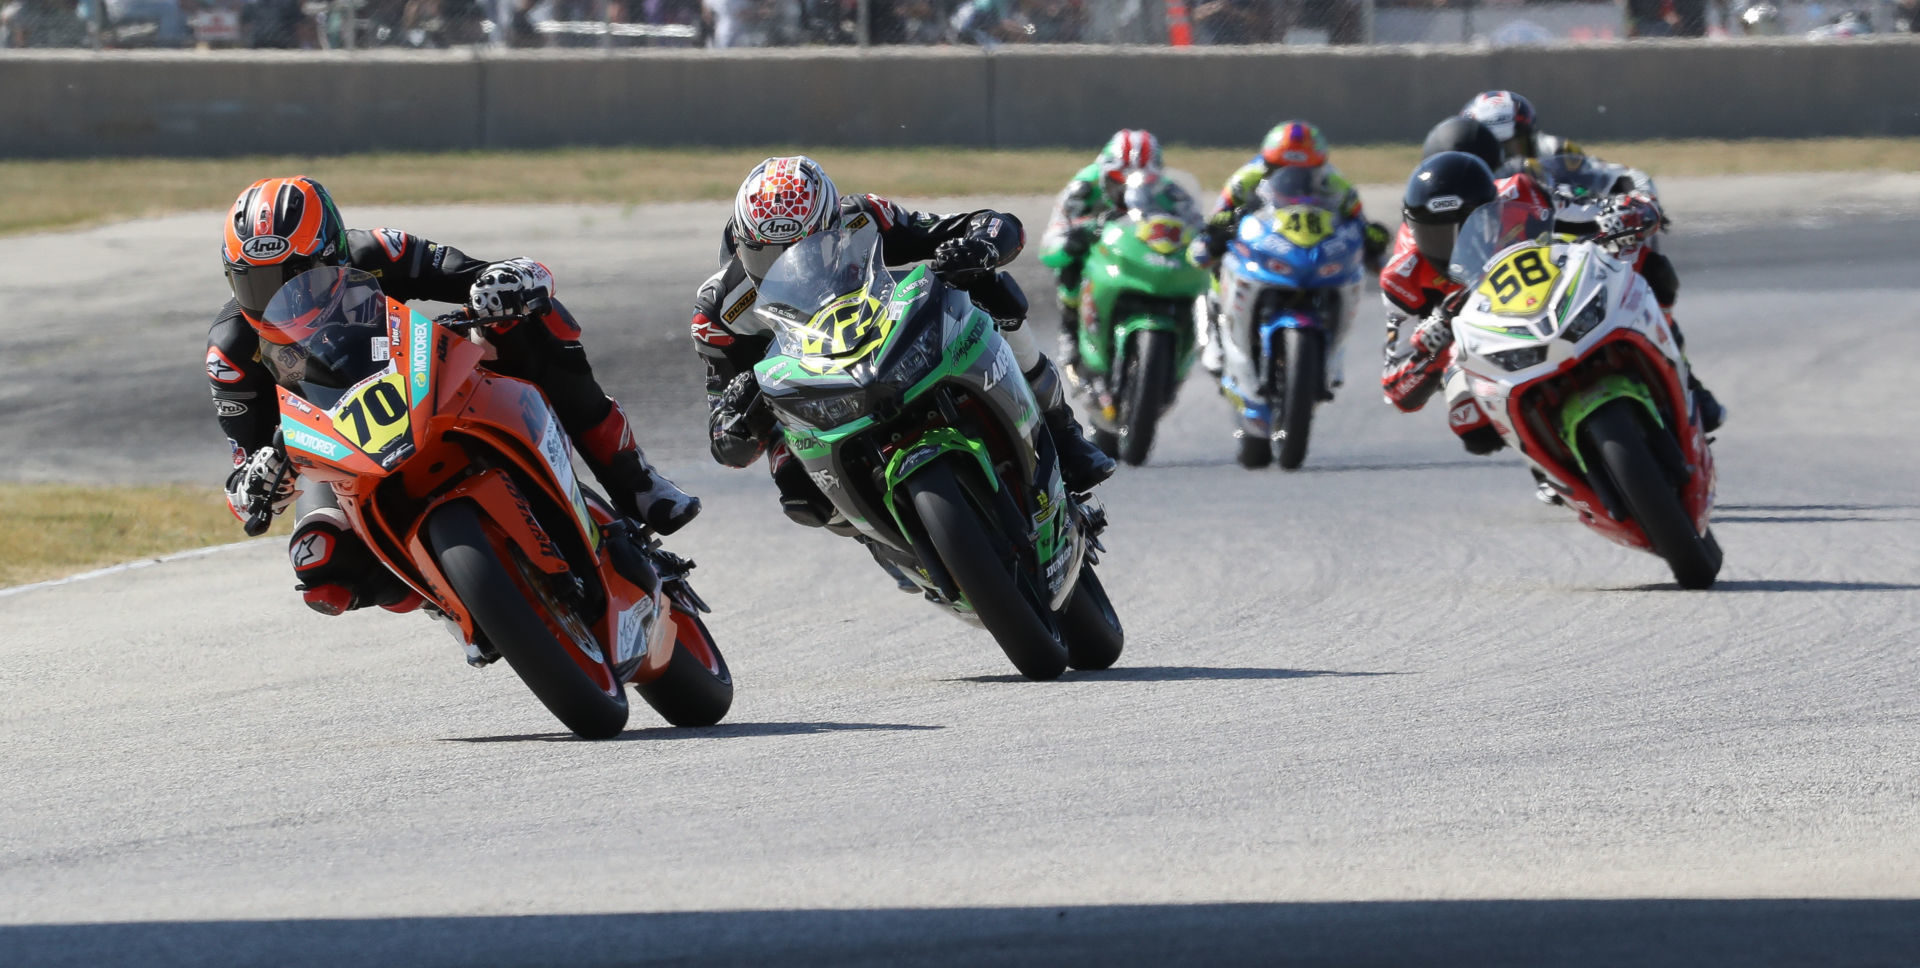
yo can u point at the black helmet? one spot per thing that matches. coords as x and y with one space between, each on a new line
1464 134
1443 191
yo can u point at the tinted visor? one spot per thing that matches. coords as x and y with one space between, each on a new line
757 258
255 286
1435 242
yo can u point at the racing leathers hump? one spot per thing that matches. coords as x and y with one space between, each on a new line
730 338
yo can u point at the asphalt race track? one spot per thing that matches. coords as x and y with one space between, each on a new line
1388 709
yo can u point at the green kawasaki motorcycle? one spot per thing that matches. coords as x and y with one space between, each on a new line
1136 324
910 413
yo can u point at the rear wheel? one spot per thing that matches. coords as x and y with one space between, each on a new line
1146 386
969 543
1090 625
1616 434
697 688
1305 362
523 623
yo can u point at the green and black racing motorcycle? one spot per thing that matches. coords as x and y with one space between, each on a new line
909 411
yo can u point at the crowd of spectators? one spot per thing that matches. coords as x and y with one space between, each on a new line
758 23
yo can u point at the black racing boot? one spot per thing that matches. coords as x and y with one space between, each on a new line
900 579
1082 465
1712 414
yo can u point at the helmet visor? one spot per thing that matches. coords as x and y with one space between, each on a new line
757 258
255 286
1435 242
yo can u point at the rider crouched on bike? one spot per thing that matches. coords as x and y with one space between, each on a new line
1097 191
1290 144
281 227
1628 220
788 199
1442 192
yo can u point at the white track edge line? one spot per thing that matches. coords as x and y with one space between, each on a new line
128 566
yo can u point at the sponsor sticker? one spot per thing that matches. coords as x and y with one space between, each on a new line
733 312
380 348
1443 203
228 408
265 248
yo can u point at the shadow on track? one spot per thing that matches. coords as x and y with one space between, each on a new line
722 731
1805 519
1645 933
1178 674
1775 585
1814 507
1327 468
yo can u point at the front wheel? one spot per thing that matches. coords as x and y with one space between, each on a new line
501 592
1090 625
1147 384
1615 432
969 544
697 688
1306 362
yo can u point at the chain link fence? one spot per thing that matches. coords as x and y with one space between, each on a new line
353 24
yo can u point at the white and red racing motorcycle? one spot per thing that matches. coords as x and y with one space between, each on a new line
1569 354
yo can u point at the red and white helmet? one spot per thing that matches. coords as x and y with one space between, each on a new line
782 201
1128 151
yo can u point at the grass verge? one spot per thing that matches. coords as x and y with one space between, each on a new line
39 195
53 530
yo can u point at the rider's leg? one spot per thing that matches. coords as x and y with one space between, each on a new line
1082 465
1658 270
548 354
805 504
337 573
1465 418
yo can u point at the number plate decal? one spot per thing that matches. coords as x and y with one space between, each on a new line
1304 225
374 414
1520 283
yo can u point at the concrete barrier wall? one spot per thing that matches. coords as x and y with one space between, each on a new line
73 105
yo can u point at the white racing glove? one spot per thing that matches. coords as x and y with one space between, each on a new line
254 479
506 288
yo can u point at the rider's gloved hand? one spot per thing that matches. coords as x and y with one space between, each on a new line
1628 221
509 288
741 412
963 262
1200 253
254 481
1079 240
1433 335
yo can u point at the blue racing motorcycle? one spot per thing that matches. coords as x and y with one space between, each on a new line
1289 290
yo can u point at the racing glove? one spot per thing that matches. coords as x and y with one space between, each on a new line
1433 335
510 289
742 411
261 478
964 262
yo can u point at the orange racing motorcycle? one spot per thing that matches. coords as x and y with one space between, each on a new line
461 481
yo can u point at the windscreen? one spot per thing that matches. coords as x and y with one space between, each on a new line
1292 186
835 268
324 331
1492 229
1578 177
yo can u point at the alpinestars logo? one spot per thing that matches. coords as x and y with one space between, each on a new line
220 369
312 551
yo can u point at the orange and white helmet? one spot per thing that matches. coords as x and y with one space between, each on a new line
782 201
